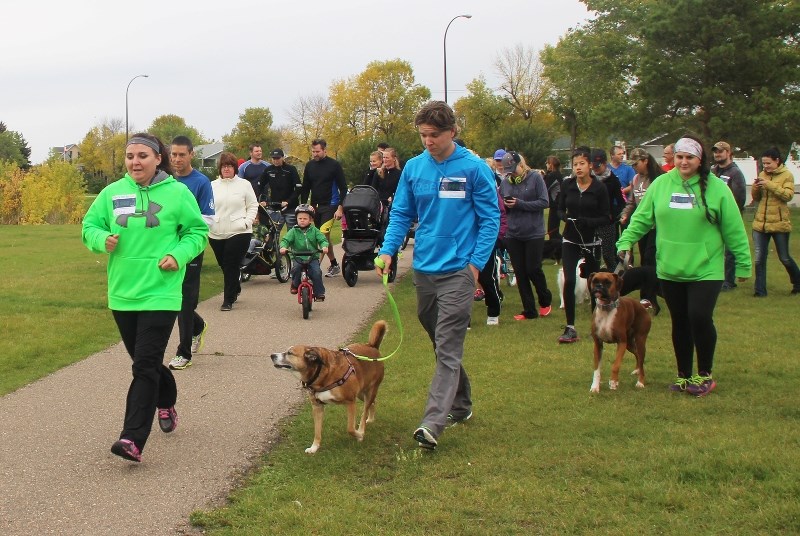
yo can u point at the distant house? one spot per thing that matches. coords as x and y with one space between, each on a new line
209 154
68 153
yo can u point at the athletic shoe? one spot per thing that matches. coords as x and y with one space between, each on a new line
523 316
319 298
167 419
701 385
226 307
333 271
479 295
544 311
124 448
425 438
513 281
679 386
292 290
728 286
492 320
199 340
179 363
452 421
569 335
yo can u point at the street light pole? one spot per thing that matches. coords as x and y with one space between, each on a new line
126 102
445 50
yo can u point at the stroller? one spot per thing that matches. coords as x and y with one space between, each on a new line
264 255
366 224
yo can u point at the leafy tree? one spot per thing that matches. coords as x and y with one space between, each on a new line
168 127
13 147
521 80
307 121
53 193
101 153
11 180
532 139
254 126
481 114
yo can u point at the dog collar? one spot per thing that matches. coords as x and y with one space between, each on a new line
609 306
350 371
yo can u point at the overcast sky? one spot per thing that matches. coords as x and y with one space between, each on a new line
64 66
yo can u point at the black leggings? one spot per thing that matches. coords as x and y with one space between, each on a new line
229 253
691 306
491 285
571 254
526 258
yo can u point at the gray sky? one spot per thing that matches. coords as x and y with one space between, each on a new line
65 65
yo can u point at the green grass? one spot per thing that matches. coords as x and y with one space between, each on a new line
540 456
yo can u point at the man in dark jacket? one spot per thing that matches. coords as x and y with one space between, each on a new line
280 183
727 170
322 173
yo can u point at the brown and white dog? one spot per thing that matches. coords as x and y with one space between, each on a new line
619 320
338 377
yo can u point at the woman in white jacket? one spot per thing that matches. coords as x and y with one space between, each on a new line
236 209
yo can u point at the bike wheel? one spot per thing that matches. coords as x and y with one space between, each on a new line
305 300
283 266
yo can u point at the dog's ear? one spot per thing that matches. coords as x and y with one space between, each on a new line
311 355
589 279
617 279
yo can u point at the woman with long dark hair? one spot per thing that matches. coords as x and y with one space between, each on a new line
552 180
647 170
697 218
584 206
150 226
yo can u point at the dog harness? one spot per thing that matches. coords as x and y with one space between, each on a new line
350 371
608 306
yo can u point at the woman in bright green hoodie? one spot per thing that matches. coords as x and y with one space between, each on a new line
150 226
697 218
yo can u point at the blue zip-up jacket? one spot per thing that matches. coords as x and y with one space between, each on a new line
455 202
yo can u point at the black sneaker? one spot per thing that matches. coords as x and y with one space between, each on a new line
452 421
569 335
425 438
125 448
226 307
167 419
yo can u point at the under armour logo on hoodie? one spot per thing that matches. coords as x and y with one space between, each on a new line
151 220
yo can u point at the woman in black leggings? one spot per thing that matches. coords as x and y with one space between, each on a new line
584 206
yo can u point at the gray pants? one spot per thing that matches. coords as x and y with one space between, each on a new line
444 305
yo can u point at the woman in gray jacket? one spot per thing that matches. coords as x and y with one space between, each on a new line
525 197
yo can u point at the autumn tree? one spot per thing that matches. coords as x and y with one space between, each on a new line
308 118
14 148
168 127
101 153
521 82
254 126
481 114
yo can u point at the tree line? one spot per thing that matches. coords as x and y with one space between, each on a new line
635 71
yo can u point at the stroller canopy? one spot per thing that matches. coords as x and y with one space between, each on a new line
364 198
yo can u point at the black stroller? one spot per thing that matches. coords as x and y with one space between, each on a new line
366 221
264 255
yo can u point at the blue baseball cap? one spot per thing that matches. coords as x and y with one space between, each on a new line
499 154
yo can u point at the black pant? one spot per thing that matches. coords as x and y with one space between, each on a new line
146 335
553 223
229 253
691 306
526 258
190 324
571 254
647 248
608 236
491 285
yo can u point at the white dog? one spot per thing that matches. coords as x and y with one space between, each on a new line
581 285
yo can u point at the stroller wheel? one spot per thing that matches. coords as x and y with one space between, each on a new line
350 273
243 276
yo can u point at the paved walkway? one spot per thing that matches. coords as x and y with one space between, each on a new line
57 475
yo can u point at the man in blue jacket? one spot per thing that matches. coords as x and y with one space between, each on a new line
452 194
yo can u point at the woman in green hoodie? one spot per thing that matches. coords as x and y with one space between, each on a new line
150 226
697 218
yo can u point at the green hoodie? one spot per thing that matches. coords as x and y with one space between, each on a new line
153 221
688 247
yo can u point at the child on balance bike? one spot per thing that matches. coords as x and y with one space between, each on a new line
305 237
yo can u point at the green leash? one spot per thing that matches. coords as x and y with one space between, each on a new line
380 264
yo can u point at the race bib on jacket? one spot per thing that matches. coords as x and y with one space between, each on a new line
453 188
682 201
124 204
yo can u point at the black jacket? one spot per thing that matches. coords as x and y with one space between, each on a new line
583 211
280 183
319 178
386 185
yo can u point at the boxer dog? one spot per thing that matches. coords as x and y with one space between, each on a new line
619 320
338 377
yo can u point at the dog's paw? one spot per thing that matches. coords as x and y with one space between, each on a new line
613 385
312 449
595 388
639 385
358 435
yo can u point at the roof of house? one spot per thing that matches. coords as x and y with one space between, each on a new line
209 150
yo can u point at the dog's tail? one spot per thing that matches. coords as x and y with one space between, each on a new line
377 333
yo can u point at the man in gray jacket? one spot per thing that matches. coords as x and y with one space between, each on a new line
728 171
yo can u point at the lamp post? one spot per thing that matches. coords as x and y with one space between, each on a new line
445 50
126 102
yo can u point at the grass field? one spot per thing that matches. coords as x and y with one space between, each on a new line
540 456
